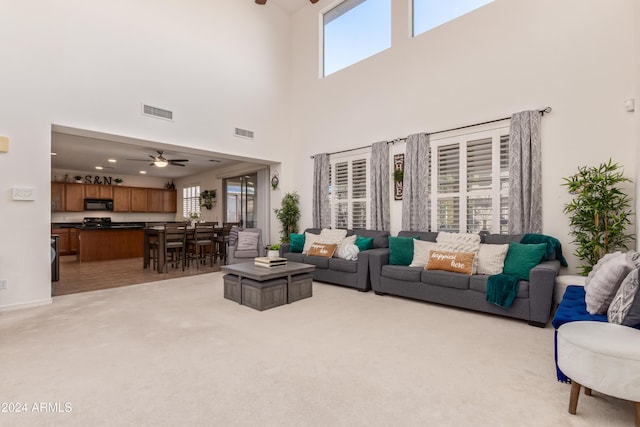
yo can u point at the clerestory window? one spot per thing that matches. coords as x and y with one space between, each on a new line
428 14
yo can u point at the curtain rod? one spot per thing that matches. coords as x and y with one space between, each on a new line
542 113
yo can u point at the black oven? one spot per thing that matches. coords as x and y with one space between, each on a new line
98 204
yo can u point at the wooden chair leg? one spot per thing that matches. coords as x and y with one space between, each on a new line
587 391
573 399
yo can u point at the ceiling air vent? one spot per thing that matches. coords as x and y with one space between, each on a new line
148 110
243 133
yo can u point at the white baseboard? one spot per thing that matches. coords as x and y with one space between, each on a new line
21 306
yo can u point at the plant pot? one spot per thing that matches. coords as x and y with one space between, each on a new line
273 254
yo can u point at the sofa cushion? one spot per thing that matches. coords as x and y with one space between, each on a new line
404 273
429 236
344 265
445 279
296 242
380 238
400 250
295 257
491 258
603 281
364 243
318 261
478 283
502 239
625 306
521 258
325 250
456 262
421 253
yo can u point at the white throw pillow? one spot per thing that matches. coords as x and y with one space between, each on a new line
309 240
421 250
349 240
348 252
604 281
247 241
331 236
460 242
491 258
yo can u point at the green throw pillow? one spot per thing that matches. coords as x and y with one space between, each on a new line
400 250
364 243
522 257
296 242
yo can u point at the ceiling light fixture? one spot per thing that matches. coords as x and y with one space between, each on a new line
143 172
160 162
112 160
99 168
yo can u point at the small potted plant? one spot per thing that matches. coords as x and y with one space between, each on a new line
194 217
118 181
273 251
78 179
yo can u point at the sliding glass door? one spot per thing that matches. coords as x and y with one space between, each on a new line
241 202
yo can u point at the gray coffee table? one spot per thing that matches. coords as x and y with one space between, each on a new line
266 274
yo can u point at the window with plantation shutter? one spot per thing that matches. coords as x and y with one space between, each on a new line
190 200
349 190
470 175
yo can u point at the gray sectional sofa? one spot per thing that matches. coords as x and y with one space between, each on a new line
354 274
532 303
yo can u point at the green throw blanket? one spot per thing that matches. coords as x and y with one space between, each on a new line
553 245
502 289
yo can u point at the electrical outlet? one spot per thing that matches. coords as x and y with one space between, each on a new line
4 284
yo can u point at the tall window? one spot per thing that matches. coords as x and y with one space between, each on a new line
349 191
428 14
355 30
470 178
190 200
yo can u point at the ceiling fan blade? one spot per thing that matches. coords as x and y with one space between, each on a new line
178 160
175 164
138 160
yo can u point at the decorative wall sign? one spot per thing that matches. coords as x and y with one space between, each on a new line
398 172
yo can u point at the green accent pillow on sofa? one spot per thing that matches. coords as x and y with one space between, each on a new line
364 243
522 257
297 242
400 250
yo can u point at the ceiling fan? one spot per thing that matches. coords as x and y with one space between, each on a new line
160 161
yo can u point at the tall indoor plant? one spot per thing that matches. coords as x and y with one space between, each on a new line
288 215
599 212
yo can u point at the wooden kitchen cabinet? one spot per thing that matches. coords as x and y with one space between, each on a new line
138 199
170 201
58 197
97 191
121 199
74 197
68 240
161 200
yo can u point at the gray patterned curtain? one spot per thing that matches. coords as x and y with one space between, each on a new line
525 174
321 212
379 182
415 195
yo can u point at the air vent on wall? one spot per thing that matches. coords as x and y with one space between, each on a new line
243 133
148 110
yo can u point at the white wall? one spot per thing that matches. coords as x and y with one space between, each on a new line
511 55
216 65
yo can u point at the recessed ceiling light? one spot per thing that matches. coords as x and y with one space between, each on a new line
99 168
112 160
143 172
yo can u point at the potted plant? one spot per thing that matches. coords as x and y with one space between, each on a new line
208 198
273 251
78 179
288 215
194 217
118 181
599 212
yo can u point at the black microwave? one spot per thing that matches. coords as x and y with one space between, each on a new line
98 204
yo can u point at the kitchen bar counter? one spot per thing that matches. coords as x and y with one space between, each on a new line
102 244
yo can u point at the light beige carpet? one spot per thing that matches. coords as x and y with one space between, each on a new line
176 353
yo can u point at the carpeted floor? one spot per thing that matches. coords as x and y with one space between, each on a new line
176 353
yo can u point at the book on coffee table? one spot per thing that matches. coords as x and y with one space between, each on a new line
270 262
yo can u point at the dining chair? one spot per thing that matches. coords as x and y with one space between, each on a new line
153 244
201 245
175 243
222 242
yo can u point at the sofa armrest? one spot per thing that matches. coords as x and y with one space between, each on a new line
284 248
541 284
377 258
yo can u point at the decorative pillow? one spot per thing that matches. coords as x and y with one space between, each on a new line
247 241
605 280
325 250
348 252
522 257
421 249
459 242
601 262
625 307
328 235
309 239
233 235
347 241
400 250
491 258
364 243
457 262
296 242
